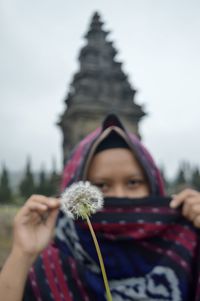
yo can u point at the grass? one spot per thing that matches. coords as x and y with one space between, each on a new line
7 214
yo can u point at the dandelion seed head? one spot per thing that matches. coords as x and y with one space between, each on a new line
81 199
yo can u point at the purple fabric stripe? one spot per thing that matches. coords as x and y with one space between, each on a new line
77 280
34 284
170 254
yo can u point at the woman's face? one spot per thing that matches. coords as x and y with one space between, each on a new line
117 173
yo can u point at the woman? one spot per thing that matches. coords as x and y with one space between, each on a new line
150 250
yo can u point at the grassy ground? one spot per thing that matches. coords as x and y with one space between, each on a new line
7 214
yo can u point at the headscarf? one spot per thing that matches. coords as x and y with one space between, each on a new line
74 169
150 251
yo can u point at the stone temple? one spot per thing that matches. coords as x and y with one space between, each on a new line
99 87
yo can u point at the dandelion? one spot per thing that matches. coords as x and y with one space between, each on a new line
82 199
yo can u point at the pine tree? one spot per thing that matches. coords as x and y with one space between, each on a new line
195 178
164 178
27 185
43 185
54 181
5 189
180 178
183 177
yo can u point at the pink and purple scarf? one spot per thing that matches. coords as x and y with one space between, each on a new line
150 251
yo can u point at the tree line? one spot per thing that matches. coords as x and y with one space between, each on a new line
186 176
48 183
45 184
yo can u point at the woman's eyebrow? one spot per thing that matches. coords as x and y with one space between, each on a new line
99 178
135 175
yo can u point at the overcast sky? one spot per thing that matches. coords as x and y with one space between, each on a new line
158 42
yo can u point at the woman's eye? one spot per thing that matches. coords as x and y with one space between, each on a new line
102 186
135 182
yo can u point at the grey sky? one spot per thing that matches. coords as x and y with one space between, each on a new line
158 42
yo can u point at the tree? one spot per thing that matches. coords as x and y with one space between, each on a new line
195 178
27 185
49 185
5 189
164 178
43 185
183 177
54 181
180 178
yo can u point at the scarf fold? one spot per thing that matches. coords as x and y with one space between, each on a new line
150 253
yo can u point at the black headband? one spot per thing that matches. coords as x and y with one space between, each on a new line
113 140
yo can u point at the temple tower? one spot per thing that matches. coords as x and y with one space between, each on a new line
99 87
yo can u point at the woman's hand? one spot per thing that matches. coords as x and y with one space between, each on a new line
33 230
34 225
190 200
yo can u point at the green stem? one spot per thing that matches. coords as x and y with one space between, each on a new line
108 294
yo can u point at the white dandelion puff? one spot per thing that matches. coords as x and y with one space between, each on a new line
81 199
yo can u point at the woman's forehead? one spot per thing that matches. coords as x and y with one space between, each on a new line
114 160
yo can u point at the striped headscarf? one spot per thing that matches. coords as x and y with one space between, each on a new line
74 168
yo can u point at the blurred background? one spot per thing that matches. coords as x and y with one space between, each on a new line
55 56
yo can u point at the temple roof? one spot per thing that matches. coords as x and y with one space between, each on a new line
100 85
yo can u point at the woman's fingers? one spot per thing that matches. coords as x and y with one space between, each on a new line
51 219
190 201
191 209
196 221
180 198
38 204
40 199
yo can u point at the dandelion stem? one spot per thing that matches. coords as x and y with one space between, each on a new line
108 294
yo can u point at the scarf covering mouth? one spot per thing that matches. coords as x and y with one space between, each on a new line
151 252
